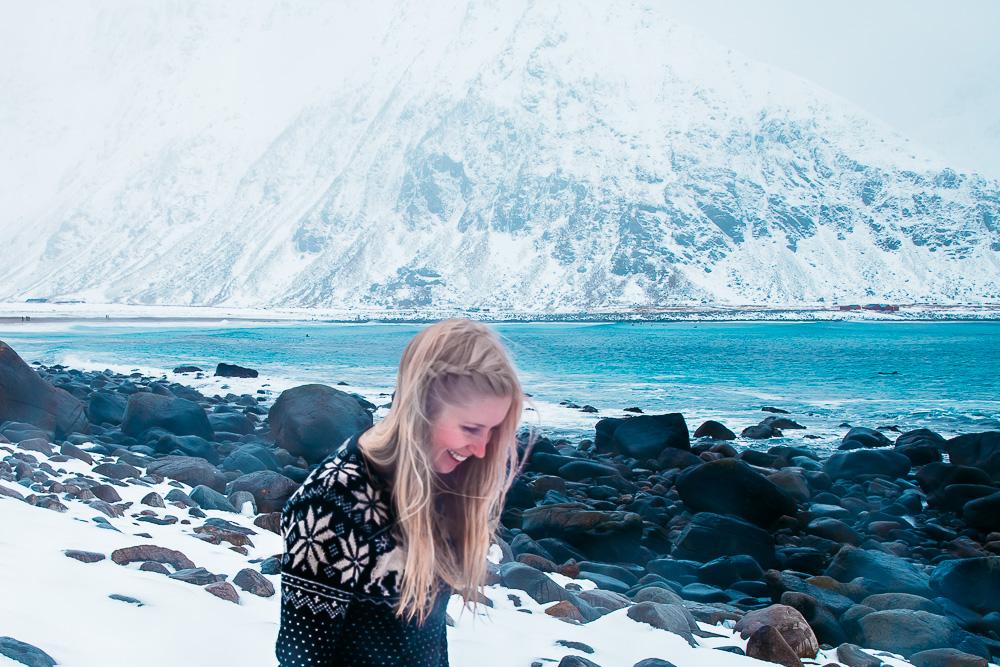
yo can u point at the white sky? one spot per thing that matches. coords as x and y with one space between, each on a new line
930 68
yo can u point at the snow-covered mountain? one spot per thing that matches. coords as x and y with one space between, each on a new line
507 154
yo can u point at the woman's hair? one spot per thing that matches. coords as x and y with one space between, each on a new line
446 522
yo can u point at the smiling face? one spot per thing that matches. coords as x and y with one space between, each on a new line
462 431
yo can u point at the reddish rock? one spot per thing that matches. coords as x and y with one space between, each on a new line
767 644
788 622
565 611
224 590
84 556
152 552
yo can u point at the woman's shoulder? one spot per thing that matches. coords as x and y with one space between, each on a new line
344 482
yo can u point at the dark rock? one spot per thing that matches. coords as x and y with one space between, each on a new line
709 536
40 445
269 489
21 652
835 530
26 397
704 593
116 470
600 535
884 573
580 470
177 415
152 499
653 662
671 458
187 445
670 617
760 432
715 430
946 657
190 470
978 450
783 423
730 486
642 437
853 656
127 599
576 661
934 476
234 371
541 588
198 576
231 422
254 582
777 411
151 552
726 571
106 407
188 369
850 465
860 437
983 513
906 631
84 556
767 644
69 449
883 601
210 499
972 582
953 497
313 420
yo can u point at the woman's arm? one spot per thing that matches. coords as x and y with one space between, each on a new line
323 559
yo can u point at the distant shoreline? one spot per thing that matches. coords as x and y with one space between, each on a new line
54 313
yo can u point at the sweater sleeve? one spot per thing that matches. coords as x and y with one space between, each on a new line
325 556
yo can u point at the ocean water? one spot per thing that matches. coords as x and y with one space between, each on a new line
939 375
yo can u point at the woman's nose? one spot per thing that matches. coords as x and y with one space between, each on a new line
478 447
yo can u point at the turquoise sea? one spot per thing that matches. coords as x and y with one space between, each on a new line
940 375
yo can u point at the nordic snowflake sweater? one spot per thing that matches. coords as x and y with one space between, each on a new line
340 575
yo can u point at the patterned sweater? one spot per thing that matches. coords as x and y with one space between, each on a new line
340 575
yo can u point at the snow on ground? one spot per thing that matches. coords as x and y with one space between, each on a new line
63 607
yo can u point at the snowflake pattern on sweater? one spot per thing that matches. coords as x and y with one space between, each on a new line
340 574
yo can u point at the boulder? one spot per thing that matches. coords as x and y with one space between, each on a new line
106 407
730 486
540 587
233 371
642 437
670 617
882 572
934 476
270 490
978 450
853 656
972 582
907 631
860 437
231 422
850 465
715 430
788 622
313 420
767 644
187 445
177 415
946 657
600 535
983 513
23 653
190 470
26 397
709 536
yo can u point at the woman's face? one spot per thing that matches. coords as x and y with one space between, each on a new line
461 431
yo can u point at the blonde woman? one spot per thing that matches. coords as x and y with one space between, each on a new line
402 515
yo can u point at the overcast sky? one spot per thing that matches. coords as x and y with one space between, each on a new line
930 68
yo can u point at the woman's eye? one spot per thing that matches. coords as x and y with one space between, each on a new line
471 429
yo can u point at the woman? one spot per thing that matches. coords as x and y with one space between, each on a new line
402 515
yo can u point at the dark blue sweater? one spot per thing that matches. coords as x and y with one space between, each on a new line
340 575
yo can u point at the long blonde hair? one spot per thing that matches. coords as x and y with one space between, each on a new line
446 524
